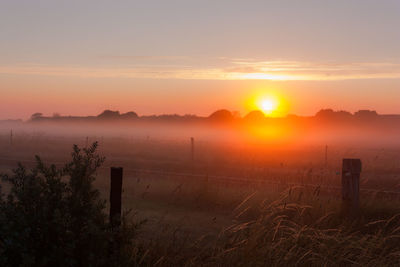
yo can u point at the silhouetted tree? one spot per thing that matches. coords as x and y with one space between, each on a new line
129 115
255 116
366 114
331 114
109 114
221 115
36 116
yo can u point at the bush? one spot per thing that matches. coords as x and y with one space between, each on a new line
54 216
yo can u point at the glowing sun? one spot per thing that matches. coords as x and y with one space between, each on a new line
268 106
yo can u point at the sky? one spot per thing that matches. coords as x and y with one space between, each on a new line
194 57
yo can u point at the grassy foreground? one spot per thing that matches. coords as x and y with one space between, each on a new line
52 216
297 229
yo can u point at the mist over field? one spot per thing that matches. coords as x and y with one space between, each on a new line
222 143
362 129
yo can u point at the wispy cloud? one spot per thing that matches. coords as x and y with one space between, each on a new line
295 70
225 69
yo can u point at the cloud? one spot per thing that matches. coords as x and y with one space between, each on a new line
294 70
224 69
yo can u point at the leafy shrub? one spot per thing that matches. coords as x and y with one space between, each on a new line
53 216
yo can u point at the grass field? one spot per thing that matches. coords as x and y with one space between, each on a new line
284 209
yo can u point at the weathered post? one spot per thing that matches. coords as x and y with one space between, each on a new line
11 137
192 148
326 156
192 154
115 196
351 169
87 141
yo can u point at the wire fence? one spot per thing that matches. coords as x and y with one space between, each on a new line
230 179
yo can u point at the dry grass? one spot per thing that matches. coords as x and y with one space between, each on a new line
300 227
212 223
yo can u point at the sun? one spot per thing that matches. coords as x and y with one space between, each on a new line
271 103
268 105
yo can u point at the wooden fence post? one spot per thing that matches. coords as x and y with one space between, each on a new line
351 169
192 152
326 156
115 196
192 148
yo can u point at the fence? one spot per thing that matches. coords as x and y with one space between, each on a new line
230 179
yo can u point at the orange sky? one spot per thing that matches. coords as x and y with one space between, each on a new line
89 96
81 57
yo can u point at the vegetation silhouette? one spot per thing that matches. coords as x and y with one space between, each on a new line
221 115
255 116
55 217
327 120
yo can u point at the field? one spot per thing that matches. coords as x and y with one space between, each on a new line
238 204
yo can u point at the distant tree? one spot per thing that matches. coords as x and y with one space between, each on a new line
36 115
109 114
54 217
325 113
129 115
366 114
343 113
190 116
221 115
168 117
255 116
331 114
56 115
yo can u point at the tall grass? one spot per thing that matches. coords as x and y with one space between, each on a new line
298 229
301 226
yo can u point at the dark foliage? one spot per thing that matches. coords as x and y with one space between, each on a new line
221 115
54 217
109 114
255 116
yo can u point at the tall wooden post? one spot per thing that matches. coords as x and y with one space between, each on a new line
192 148
192 152
326 156
115 196
351 170
11 137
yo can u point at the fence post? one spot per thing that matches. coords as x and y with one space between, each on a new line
326 156
192 152
351 169
192 148
115 196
